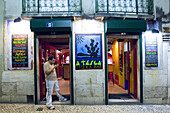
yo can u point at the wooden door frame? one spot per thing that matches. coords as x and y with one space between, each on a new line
134 46
40 70
128 58
135 67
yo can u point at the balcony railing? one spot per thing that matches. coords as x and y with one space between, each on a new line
49 6
125 6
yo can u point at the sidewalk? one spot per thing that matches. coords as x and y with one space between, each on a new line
31 108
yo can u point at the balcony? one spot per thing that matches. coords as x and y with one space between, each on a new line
125 8
50 8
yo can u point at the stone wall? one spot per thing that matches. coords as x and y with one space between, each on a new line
89 85
168 44
155 81
88 7
15 85
13 8
162 12
162 7
1 41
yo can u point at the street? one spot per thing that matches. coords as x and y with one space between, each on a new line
31 108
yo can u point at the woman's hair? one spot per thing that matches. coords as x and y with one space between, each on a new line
51 57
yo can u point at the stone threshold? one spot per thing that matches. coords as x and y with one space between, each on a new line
123 101
55 103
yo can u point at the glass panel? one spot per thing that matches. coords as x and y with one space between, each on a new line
53 5
142 6
112 5
150 6
102 5
145 6
30 6
74 5
122 5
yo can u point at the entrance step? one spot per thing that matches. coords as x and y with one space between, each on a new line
123 101
56 103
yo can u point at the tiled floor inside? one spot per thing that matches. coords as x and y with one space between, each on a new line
115 89
64 86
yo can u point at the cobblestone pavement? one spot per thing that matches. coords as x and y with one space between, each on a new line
31 108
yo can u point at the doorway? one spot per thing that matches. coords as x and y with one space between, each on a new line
59 47
123 75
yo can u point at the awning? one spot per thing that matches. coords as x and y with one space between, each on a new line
51 25
127 26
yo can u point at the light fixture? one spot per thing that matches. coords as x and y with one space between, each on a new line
123 33
155 31
17 19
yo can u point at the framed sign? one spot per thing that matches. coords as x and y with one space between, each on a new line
88 51
19 51
19 45
151 51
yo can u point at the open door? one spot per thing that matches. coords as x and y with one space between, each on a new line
133 73
59 48
122 68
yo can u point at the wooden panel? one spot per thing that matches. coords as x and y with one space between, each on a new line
66 71
110 68
121 65
135 67
131 69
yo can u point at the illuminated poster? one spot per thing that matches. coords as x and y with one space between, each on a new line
151 52
19 51
88 51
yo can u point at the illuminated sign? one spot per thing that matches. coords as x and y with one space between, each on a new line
151 51
19 51
88 51
49 24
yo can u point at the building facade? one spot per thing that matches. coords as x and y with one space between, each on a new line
94 41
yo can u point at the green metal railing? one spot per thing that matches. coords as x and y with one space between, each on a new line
125 6
49 6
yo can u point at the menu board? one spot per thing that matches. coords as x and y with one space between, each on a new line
151 52
19 51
